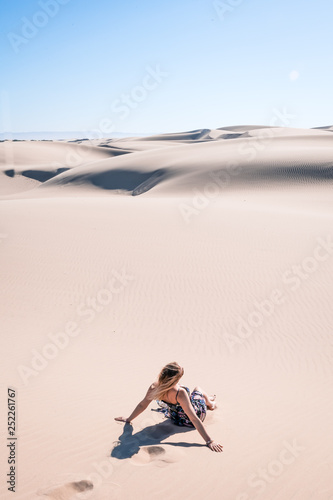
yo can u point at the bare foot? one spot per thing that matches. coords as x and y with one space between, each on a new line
212 404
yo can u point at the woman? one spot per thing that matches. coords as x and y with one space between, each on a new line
182 407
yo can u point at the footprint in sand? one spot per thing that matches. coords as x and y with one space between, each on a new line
156 455
68 490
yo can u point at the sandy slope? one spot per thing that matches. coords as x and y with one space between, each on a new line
221 261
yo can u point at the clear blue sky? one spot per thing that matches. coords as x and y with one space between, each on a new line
90 64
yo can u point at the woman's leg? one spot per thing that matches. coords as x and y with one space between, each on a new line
208 399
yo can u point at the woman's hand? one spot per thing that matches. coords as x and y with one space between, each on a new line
215 446
122 419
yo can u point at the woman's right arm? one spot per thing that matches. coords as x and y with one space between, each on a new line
188 409
140 407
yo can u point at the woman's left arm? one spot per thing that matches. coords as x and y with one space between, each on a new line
139 408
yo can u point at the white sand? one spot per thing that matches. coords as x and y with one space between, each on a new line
218 221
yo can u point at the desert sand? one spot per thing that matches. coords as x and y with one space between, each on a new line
212 248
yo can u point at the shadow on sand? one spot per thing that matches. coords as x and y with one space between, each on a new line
129 444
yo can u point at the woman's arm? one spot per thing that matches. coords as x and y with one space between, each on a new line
185 403
139 408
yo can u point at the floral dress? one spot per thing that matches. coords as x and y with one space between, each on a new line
176 413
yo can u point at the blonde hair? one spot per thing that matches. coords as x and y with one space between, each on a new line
168 377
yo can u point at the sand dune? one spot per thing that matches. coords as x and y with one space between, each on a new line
277 157
251 155
211 247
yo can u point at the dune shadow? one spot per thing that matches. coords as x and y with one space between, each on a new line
191 136
10 172
128 180
129 444
78 141
233 136
43 175
113 150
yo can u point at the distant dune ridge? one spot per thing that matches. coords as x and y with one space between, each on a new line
212 248
173 163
